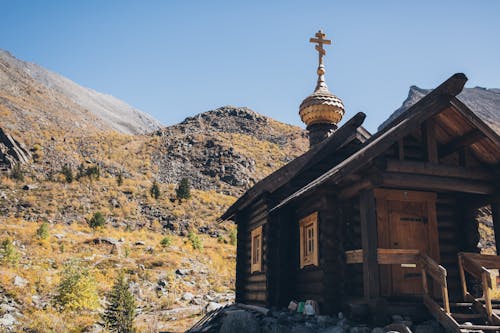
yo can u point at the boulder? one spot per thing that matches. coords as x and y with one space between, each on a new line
187 296
212 306
20 282
240 321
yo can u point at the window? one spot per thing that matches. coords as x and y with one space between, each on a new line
256 258
309 240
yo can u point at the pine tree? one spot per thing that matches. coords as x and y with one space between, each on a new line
119 179
77 289
97 220
183 190
155 190
43 231
120 312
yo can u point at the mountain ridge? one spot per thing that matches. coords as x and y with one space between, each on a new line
27 81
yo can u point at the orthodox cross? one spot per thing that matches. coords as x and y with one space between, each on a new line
320 41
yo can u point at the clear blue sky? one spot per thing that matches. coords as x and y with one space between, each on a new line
174 59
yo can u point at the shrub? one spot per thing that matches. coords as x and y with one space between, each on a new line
43 231
233 237
120 312
183 190
17 173
119 179
155 190
93 172
77 289
97 220
195 241
68 173
165 242
8 253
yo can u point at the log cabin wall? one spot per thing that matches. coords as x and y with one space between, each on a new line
449 240
351 222
325 282
251 288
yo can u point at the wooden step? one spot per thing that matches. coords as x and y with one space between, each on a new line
466 316
461 305
479 327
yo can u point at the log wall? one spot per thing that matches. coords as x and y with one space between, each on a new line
251 288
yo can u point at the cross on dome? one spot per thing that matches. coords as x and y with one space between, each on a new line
320 40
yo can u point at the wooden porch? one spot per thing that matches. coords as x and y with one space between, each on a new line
471 313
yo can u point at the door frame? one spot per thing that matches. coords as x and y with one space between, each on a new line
382 196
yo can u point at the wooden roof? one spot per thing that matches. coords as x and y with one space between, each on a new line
349 131
456 125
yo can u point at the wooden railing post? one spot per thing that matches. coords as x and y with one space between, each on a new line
462 276
486 281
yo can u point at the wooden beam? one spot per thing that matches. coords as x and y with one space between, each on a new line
475 120
369 242
435 183
460 142
429 136
434 169
350 191
354 256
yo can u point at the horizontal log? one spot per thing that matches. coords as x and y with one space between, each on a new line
256 286
257 278
397 256
354 256
436 183
310 275
255 296
433 169
310 288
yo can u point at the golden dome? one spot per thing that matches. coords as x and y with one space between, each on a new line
321 107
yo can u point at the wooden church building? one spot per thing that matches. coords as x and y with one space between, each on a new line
376 219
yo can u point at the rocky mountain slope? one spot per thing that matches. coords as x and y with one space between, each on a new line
483 101
33 98
227 149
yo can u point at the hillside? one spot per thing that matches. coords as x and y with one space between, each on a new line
61 162
34 99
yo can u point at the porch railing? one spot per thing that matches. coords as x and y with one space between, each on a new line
428 266
478 265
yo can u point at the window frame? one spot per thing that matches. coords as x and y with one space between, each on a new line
256 252
309 250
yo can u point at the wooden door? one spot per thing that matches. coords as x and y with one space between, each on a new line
406 220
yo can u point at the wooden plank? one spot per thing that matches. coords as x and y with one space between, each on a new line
397 256
437 312
479 327
460 142
257 278
369 242
433 169
429 134
255 296
354 256
427 182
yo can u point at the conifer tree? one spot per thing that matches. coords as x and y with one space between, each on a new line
155 190
120 312
183 190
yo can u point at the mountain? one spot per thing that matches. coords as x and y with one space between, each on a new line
228 149
34 98
483 101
